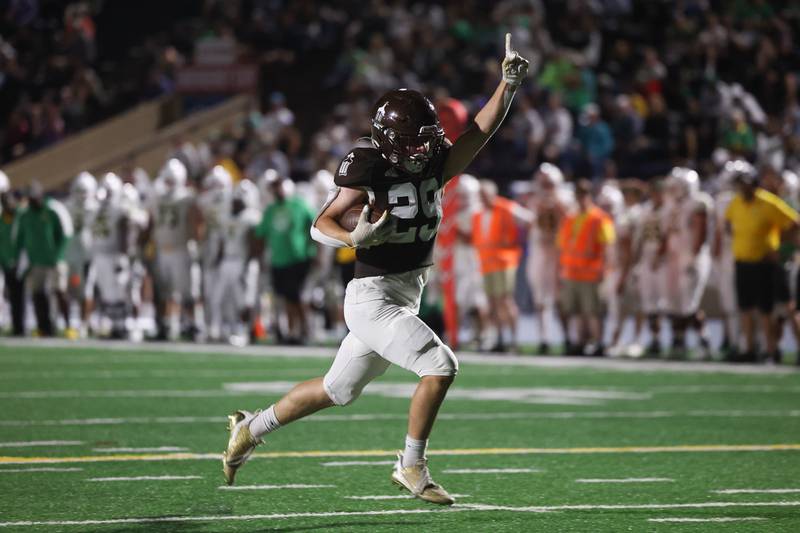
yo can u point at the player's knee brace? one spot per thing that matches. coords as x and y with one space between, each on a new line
436 360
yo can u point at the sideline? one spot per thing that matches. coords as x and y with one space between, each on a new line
188 348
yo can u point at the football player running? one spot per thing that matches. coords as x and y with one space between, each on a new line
404 170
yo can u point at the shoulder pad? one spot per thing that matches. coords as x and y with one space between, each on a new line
358 167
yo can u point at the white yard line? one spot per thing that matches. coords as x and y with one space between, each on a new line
553 415
149 374
723 389
144 478
136 393
405 389
358 463
528 395
491 471
141 450
623 507
713 519
294 352
389 512
38 443
626 480
186 456
43 469
757 491
396 497
541 396
115 421
274 487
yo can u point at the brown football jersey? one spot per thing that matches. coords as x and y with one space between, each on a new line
415 201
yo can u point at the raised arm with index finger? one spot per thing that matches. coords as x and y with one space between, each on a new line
488 119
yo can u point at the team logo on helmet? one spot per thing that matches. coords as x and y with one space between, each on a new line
406 129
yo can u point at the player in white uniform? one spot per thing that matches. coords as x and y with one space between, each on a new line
470 294
213 206
82 206
233 296
724 278
109 274
5 188
404 172
611 200
174 229
649 243
549 204
688 257
138 220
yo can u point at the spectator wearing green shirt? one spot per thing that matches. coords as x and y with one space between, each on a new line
8 263
42 231
738 136
285 231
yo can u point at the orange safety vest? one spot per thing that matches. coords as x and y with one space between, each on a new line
582 255
498 247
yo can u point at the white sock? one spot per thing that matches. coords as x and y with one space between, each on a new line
264 422
414 451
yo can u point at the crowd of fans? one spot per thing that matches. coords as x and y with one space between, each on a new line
58 78
619 90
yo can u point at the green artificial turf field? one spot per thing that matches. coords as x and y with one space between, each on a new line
124 440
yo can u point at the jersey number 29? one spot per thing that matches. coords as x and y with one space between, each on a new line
406 200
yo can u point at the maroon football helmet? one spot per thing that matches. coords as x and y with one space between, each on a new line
406 129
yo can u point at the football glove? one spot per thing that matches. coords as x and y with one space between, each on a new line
368 234
515 67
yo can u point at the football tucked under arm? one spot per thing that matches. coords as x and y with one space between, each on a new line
349 220
339 218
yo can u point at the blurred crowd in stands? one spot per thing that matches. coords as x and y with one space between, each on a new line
621 91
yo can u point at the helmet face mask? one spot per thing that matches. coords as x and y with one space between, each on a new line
406 130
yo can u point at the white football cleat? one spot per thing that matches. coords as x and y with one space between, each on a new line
417 480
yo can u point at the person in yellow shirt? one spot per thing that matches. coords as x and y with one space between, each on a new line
757 220
582 240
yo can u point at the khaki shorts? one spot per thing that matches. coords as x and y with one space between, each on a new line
501 283
48 278
580 297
